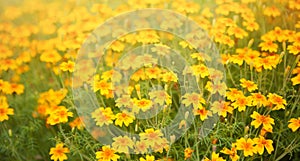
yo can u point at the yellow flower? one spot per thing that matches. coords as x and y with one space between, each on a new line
222 108
142 104
185 44
103 86
153 73
232 153
160 97
294 124
266 121
246 145
58 153
294 49
169 77
4 110
186 7
238 59
251 25
11 88
151 137
201 70
216 87
296 80
233 94
58 114
122 144
202 112
241 103
268 46
262 143
103 116
188 153
237 32
107 154
8 64
249 85
148 158
271 11
268 62
77 123
258 99
50 56
214 157
193 98
148 37
117 46
123 118
67 66
276 100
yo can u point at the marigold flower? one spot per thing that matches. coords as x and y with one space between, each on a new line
161 49
107 154
222 108
249 85
148 158
214 157
193 98
169 77
160 97
216 87
203 113
233 94
148 37
271 11
188 153
59 152
258 99
123 118
142 104
151 137
276 100
241 103
50 56
237 32
238 59
122 144
268 62
296 80
103 86
262 143
268 46
266 121
294 49
4 109
201 70
231 152
67 66
246 145
58 114
77 123
153 73
294 124
103 116
11 88
251 25
117 46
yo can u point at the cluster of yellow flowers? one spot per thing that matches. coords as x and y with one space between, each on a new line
259 47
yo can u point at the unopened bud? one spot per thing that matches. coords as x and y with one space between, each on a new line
9 132
250 43
246 129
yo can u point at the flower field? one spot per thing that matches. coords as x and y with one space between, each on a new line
150 80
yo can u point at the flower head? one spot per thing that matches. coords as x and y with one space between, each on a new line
59 152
